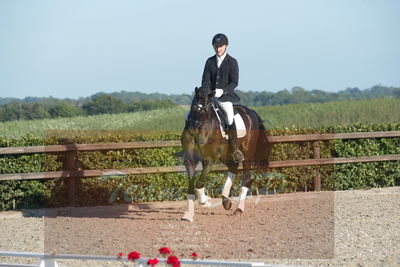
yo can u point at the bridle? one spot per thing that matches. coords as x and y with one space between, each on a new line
197 107
200 107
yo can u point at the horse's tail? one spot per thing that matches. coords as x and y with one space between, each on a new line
264 147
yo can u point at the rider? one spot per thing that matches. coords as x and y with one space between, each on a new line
221 75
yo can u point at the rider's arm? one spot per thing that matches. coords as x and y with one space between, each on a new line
206 79
233 77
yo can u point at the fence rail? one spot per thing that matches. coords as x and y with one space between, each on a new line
72 149
177 143
181 168
50 260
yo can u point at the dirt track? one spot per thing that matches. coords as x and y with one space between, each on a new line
351 228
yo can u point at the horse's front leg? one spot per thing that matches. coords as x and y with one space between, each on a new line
190 162
200 183
196 184
191 158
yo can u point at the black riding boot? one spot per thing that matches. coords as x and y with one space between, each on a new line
237 154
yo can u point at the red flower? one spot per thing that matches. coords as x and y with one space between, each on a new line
164 251
194 256
174 261
132 256
119 255
152 262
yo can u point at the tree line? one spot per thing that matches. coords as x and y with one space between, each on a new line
48 107
98 104
300 95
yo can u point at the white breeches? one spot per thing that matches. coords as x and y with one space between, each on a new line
228 108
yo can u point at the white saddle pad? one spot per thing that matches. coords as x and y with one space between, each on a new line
240 127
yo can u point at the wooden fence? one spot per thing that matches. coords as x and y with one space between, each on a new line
72 149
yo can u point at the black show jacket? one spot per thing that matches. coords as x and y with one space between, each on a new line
226 77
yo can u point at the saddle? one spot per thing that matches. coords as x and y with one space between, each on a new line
223 119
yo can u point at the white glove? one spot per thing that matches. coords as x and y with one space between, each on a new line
218 93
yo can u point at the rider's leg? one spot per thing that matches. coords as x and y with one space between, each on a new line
232 133
237 154
227 106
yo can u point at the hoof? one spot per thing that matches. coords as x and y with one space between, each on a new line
237 212
187 217
226 202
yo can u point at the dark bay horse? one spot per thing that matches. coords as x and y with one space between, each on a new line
202 141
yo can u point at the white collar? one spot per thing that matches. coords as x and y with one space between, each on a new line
221 58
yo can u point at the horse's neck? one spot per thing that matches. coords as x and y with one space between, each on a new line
213 119
209 121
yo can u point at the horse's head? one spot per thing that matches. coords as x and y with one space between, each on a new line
201 105
203 97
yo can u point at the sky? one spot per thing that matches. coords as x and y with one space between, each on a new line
75 48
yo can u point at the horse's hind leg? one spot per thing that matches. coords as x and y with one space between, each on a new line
232 171
246 183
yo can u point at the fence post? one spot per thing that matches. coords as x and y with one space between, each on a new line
317 155
47 263
69 165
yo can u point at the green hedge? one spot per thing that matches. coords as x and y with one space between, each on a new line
366 175
158 187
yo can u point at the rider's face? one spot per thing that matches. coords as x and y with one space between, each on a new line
220 50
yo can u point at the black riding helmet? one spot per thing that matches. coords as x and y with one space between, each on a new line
220 39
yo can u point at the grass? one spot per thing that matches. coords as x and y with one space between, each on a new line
165 119
331 113
300 115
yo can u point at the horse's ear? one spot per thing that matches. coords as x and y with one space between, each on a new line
196 90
